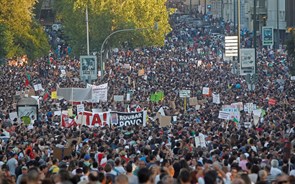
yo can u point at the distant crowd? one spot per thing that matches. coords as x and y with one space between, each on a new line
227 152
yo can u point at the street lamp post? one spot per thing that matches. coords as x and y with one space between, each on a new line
115 32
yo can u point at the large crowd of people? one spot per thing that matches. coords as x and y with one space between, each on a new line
191 59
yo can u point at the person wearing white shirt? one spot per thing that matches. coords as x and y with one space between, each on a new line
275 171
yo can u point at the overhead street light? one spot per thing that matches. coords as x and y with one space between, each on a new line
115 32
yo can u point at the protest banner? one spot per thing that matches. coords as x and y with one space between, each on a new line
99 93
233 110
95 119
257 112
66 121
118 98
249 107
75 94
293 78
38 87
13 115
165 121
129 119
200 141
239 105
216 98
255 120
127 66
224 115
247 124
161 111
206 91
128 97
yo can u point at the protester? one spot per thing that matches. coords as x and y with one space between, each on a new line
195 147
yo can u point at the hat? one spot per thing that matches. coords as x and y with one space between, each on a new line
123 153
247 155
24 168
87 157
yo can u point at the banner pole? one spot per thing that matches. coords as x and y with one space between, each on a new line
184 104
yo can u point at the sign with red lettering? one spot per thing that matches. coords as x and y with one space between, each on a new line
97 119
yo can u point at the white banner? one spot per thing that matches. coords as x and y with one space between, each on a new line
118 98
206 91
233 110
224 115
200 141
216 98
38 87
99 93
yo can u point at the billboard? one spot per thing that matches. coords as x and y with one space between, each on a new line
88 67
267 36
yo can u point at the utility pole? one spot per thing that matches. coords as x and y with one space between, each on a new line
254 32
221 10
205 7
235 15
190 7
87 29
278 26
239 28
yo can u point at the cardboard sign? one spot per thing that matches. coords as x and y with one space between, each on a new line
206 91
193 101
59 153
141 72
165 121
69 74
127 66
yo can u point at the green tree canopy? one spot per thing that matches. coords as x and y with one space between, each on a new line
106 16
20 34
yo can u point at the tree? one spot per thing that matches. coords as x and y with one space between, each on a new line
291 51
106 16
19 30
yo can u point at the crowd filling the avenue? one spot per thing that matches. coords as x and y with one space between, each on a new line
173 114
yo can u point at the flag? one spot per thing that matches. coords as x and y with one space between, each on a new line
138 109
161 94
45 97
153 98
158 96
236 121
54 95
271 101
26 83
28 76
